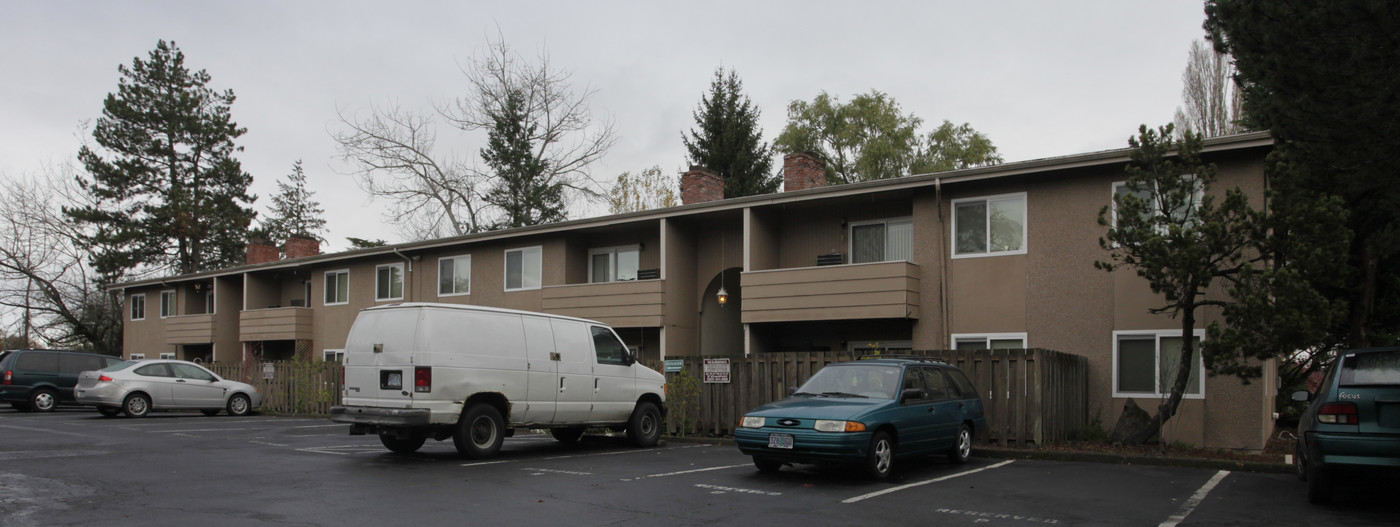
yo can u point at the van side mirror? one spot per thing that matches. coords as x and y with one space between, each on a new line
628 358
1300 396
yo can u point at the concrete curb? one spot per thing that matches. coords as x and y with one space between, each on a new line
1086 457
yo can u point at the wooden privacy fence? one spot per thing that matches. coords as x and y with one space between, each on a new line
1030 396
295 387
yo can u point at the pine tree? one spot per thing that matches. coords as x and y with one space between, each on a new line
729 140
294 213
519 186
170 196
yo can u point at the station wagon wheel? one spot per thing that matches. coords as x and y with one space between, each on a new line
1299 464
644 428
43 400
567 435
238 405
879 461
136 405
108 411
963 448
480 432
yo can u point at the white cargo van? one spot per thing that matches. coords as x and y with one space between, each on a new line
415 371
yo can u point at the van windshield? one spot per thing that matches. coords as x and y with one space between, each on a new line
1364 369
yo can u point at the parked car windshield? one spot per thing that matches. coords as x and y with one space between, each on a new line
1371 368
876 381
118 366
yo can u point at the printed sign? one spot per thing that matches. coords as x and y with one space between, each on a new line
717 371
674 365
268 370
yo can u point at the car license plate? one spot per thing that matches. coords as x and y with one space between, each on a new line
780 441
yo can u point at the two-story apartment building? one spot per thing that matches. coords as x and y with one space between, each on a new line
988 257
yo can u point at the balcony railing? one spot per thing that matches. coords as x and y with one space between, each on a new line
838 292
278 323
637 303
189 329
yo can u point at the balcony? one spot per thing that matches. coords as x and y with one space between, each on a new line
189 329
637 303
278 323
839 292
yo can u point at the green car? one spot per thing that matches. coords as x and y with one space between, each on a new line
1353 422
867 413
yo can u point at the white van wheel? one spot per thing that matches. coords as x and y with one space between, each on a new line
644 428
480 432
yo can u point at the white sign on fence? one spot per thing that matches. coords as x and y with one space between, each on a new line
269 371
717 371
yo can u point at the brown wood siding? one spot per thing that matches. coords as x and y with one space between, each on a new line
637 303
843 292
283 323
189 329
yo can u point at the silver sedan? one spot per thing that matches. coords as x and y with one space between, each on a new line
138 387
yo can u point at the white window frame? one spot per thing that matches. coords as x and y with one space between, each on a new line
134 298
986 338
1196 198
333 355
851 236
1025 225
138 356
168 293
505 265
612 261
337 273
1157 335
468 259
168 356
402 282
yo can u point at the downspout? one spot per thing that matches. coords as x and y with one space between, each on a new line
944 260
407 290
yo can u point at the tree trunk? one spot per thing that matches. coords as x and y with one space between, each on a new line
1130 431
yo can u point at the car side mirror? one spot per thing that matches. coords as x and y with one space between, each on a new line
910 393
1300 396
791 390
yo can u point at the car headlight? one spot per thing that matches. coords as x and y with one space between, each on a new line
752 422
824 425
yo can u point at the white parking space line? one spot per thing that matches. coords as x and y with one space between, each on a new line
342 450
687 472
480 463
194 430
864 497
716 489
543 471
1195 500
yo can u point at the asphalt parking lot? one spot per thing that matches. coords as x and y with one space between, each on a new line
74 467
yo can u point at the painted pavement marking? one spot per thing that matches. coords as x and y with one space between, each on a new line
687 472
926 482
1195 500
716 489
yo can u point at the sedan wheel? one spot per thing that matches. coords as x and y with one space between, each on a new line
136 405
879 462
238 405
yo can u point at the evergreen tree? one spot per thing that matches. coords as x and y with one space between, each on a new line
170 196
294 213
729 141
519 187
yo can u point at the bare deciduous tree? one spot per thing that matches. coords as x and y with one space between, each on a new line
44 276
1212 103
645 190
392 150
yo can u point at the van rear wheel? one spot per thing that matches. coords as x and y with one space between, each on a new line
480 432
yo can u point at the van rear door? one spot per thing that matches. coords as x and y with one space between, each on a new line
379 358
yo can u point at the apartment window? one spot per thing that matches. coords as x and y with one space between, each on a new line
523 268
989 226
984 341
167 356
882 240
138 307
388 282
455 275
1182 214
333 355
613 264
167 303
337 287
138 356
209 302
1145 363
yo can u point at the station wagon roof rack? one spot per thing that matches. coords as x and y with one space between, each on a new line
900 356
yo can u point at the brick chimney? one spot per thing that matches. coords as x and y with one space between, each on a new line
802 171
700 185
302 247
262 253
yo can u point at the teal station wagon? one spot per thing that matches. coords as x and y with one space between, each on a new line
1352 425
867 413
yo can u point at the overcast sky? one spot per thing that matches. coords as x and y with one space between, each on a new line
1041 79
